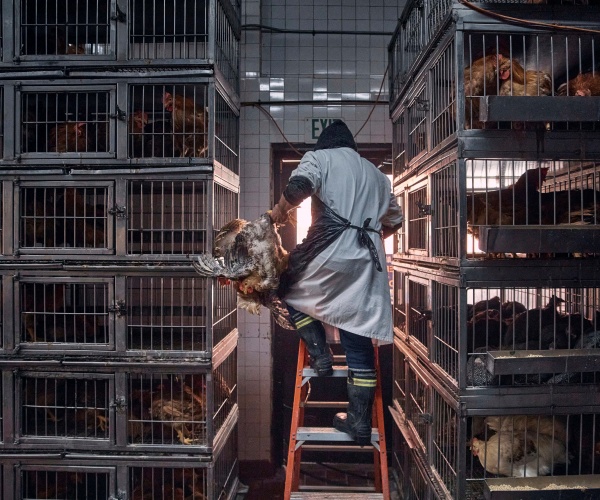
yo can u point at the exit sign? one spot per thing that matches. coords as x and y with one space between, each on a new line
314 127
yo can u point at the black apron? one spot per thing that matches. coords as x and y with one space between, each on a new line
326 227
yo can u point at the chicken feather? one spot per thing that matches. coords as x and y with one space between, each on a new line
251 254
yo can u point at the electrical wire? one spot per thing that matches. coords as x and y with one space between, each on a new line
299 153
524 22
375 103
272 118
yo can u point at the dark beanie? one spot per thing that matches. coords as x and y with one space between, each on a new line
336 135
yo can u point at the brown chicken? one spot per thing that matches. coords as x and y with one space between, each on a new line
516 204
69 137
137 122
189 124
584 84
483 78
523 446
181 407
251 254
528 83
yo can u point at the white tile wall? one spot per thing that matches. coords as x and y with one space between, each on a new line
278 69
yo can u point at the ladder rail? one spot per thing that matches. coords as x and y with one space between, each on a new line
297 431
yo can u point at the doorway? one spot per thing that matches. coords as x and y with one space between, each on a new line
284 345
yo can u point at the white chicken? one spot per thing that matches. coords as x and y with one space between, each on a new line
251 254
523 446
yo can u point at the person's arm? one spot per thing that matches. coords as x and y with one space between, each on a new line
392 221
298 189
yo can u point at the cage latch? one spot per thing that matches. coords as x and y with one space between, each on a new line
119 404
118 211
119 114
119 15
424 209
426 418
119 308
121 495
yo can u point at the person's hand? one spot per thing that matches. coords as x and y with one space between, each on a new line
278 215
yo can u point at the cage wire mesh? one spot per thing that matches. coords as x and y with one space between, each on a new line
167 409
418 128
530 64
58 406
227 41
513 318
411 483
418 406
167 217
51 482
166 314
64 28
417 219
515 192
66 311
399 305
63 217
159 30
65 121
169 121
224 389
227 135
503 444
168 483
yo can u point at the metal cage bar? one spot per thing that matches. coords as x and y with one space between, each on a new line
56 406
167 409
166 314
64 312
167 217
64 482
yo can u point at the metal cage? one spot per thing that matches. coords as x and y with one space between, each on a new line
466 457
501 334
92 122
486 89
59 408
512 209
80 33
86 314
126 217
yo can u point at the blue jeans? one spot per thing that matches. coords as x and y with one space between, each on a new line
360 354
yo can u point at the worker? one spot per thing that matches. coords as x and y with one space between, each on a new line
337 275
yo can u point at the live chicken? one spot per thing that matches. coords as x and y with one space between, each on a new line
180 406
583 85
251 254
190 122
69 137
483 78
523 445
516 204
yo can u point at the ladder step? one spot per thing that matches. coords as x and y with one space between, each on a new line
338 371
328 434
324 404
307 495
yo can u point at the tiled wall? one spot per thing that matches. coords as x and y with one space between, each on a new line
307 57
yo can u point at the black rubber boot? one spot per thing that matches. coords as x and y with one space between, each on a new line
357 421
311 331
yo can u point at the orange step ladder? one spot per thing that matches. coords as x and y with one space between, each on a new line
301 436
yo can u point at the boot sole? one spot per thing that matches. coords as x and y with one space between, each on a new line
342 426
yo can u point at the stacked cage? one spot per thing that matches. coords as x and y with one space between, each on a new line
120 145
496 269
